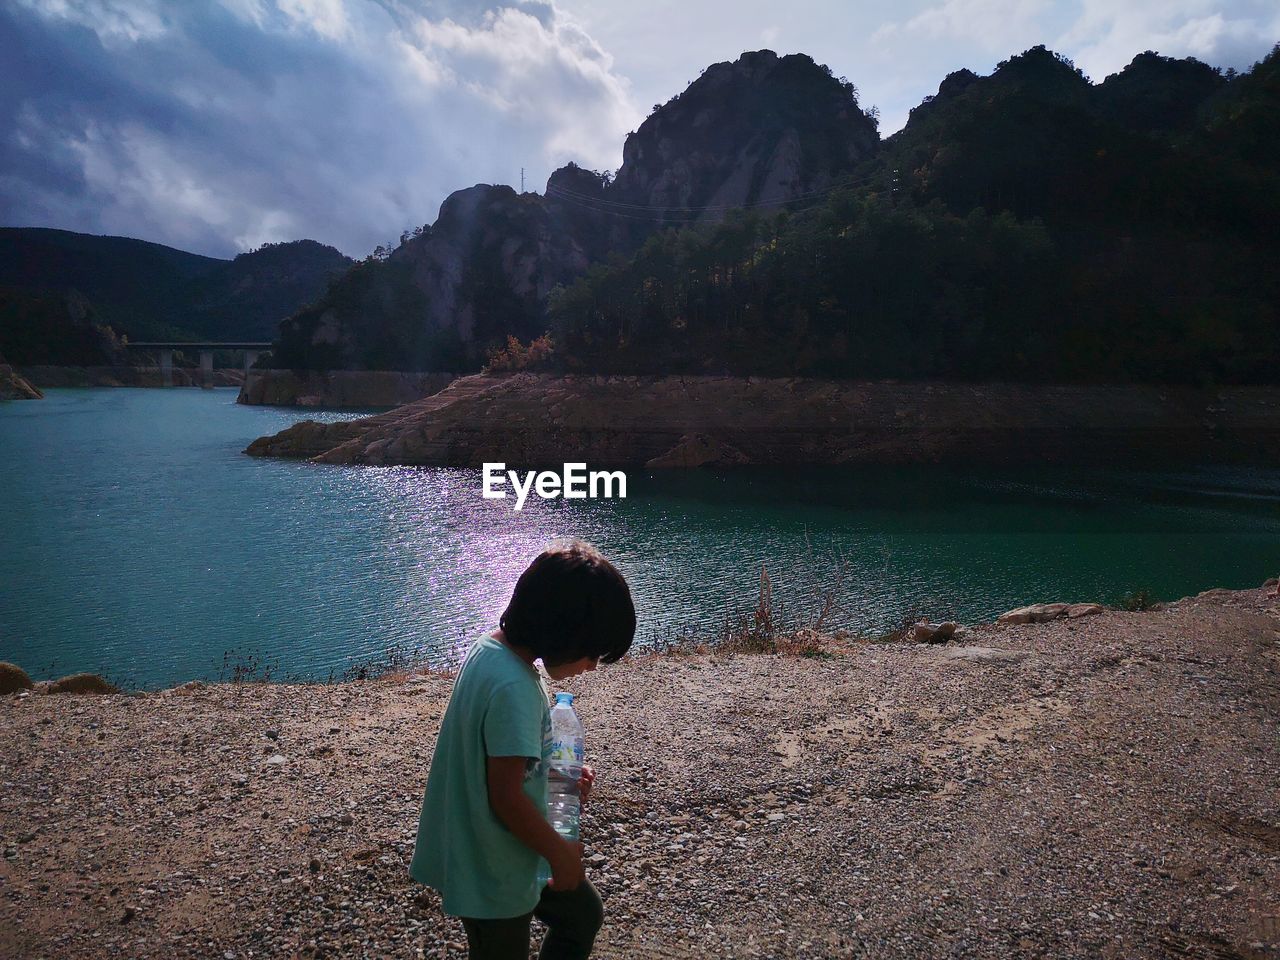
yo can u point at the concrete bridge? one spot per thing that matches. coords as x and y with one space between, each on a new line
165 352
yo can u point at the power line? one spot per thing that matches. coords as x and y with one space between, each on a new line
618 213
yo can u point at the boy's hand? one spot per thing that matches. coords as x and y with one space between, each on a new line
567 871
585 783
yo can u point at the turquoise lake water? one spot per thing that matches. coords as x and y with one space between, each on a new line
138 541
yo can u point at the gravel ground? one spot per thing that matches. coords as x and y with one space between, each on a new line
1107 787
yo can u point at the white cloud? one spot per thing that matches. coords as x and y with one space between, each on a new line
992 23
529 67
266 226
259 120
425 72
112 20
251 10
1107 36
328 18
155 185
219 125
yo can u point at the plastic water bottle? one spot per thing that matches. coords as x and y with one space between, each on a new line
563 802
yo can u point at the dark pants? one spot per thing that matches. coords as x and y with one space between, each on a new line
573 918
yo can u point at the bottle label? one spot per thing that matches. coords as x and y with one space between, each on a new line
567 751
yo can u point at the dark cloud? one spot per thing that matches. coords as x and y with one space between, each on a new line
216 128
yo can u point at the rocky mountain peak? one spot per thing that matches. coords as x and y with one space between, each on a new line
955 83
1040 71
952 86
1155 93
578 181
760 129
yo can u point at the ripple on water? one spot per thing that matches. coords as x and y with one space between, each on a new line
139 541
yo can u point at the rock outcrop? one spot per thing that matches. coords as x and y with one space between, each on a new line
490 250
542 420
762 130
439 300
13 386
1044 612
339 389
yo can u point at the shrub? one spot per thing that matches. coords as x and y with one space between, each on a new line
82 683
753 633
516 356
1141 599
13 678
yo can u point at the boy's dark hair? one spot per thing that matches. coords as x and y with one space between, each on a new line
571 603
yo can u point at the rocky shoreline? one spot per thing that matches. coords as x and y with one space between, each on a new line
14 386
339 389
1101 785
673 421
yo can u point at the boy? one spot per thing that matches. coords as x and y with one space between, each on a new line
484 830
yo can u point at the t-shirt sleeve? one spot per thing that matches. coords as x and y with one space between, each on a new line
513 723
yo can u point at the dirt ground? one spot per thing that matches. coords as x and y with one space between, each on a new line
1102 787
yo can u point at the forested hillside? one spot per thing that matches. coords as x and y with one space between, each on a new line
761 131
61 292
1028 225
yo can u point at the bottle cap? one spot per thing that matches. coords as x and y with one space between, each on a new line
565 698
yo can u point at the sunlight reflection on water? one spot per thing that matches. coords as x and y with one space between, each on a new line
141 542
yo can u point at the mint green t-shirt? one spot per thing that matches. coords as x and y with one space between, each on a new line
498 709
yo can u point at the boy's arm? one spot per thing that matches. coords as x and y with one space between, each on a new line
513 808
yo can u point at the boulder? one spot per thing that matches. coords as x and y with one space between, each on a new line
1035 613
932 632
1078 610
13 678
82 683
1019 615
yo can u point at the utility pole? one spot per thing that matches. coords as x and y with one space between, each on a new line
522 179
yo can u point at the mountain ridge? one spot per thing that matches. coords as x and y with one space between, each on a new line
1071 161
58 284
484 270
1136 216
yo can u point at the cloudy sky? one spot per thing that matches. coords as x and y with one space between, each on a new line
218 125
